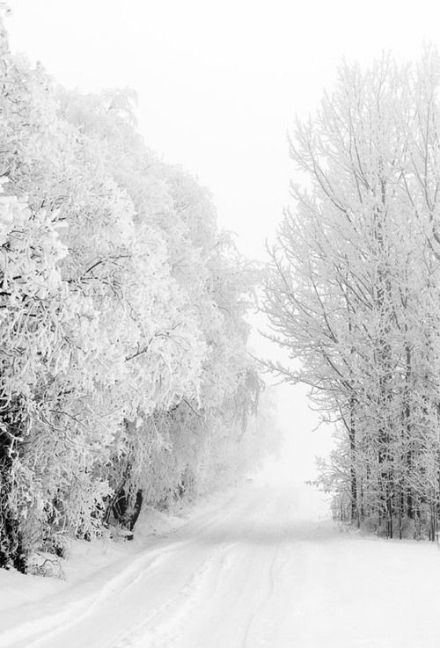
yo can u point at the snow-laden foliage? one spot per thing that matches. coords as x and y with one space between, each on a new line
354 289
124 370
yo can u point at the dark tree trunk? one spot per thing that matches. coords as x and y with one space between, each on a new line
11 541
353 476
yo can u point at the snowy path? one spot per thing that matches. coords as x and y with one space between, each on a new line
259 571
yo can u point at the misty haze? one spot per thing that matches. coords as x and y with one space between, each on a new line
220 324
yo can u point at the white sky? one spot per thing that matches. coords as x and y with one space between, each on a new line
219 81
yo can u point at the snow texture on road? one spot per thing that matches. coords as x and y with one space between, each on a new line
266 568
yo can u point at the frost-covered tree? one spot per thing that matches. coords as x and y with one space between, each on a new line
125 375
353 288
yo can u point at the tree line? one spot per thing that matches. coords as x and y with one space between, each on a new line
124 371
353 289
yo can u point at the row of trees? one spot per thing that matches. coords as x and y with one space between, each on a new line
353 292
124 374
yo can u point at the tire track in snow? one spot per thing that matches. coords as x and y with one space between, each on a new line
46 620
263 604
175 609
225 579
166 625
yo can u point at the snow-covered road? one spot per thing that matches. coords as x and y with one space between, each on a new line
264 568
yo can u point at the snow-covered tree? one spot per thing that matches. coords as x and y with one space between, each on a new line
353 289
125 375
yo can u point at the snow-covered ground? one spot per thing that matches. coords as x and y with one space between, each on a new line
257 566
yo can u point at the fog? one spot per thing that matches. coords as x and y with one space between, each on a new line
218 87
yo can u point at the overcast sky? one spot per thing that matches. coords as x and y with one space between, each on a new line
219 83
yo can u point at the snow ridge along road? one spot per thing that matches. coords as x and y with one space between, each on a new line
265 569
